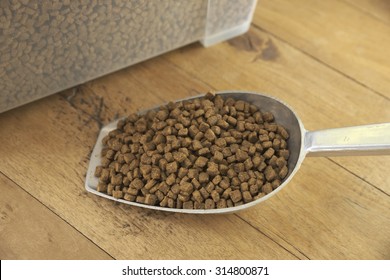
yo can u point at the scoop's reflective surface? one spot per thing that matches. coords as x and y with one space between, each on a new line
361 140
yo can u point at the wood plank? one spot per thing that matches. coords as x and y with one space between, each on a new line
345 38
379 9
327 216
28 230
321 97
58 128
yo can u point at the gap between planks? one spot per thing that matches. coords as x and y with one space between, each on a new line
276 242
254 25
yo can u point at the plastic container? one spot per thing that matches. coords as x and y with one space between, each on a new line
47 46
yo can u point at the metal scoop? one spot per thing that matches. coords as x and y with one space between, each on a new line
372 139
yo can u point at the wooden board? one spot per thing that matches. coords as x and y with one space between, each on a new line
28 230
341 35
335 208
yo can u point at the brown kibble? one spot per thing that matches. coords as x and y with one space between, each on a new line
260 195
203 177
171 179
209 135
267 188
235 196
137 184
140 199
246 196
226 193
201 162
215 195
284 153
209 204
197 154
212 120
280 162
248 164
266 144
110 189
102 187
268 117
116 180
272 161
98 171
241 155
212 169
221 203
179 156
269 173
162 115
231 120
205 194
254 189
186 188
117 194
252 137
104 176
150 199
129 197
204 151
150 184
225 183
197 145
188 205
197 196
183 132
283 132
269 153
155 173
171 167
171 203
223 169
239 105
243 176
283 172
275 184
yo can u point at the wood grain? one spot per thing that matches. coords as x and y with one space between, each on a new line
28 230
335 208
379 9
347 39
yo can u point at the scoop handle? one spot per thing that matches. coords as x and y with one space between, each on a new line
372 139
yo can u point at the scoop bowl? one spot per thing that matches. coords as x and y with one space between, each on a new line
372 139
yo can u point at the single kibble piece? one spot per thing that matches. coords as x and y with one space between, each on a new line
137 184
188 205
102 187
201 161
98 171
150 199
186 188
246 196
171 167
235 195
203 177
212 169
267 188
209 204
